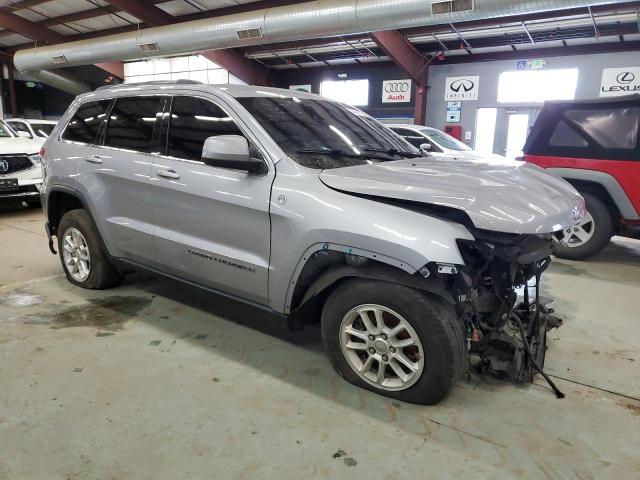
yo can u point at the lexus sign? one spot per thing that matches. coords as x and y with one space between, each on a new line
396 91
461 88
620 81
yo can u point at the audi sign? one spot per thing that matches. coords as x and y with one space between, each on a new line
458 89
396 91
620 81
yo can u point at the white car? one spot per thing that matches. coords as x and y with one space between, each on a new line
33 128
20 170
439 143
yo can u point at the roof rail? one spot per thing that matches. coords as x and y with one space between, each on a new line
183 81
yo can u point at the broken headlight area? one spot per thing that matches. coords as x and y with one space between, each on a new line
497 295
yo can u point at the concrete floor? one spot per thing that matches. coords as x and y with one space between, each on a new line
157 380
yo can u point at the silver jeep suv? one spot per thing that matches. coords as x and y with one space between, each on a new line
310 209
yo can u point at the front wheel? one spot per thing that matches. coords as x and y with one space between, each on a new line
393 340
83 259
590 236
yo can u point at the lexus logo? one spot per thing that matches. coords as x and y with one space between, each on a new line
625 77
4 166
400 87
463 84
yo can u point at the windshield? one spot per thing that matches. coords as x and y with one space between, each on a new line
444 140
42 129
323 134
5 130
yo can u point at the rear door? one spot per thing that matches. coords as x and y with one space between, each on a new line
212 224
115 172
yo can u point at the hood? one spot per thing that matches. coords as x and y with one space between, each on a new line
467 154
499 195
11 145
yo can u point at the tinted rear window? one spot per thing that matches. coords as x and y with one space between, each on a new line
131 123
593 129
85 124
616 128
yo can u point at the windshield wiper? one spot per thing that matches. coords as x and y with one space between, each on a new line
336 152
393 151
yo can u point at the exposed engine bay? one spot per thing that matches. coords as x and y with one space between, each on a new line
497 295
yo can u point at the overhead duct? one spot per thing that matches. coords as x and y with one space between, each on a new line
322 18
60 80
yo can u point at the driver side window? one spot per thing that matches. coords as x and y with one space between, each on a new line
193 120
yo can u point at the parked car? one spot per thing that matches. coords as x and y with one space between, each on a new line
437 142
592 144
32 127
298 205
20 172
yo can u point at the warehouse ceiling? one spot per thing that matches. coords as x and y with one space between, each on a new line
591 29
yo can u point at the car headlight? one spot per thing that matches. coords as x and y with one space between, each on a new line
35 158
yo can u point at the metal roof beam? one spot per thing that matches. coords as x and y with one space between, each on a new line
230 59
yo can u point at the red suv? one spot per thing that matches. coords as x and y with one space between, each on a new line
592 144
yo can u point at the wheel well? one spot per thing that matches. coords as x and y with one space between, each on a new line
325 270
597 190
58 204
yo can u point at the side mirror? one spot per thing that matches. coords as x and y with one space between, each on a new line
230 151
23 134
426 147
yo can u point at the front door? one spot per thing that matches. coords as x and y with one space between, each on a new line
116 173
212 224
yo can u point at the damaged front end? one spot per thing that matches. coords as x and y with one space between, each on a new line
497 295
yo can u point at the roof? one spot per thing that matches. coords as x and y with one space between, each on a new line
237 91
635 97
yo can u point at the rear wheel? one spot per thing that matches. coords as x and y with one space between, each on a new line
83 259
393 340
590 236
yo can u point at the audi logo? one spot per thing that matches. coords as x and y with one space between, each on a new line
464 84
625 77
400 87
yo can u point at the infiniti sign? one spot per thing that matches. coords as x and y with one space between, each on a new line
4 166
620 81
461 88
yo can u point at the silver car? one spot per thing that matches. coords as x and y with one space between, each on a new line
311 209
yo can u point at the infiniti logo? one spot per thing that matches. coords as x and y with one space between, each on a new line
464 84
625 77
4 166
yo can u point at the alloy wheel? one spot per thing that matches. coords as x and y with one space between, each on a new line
76 255
578 235
381 347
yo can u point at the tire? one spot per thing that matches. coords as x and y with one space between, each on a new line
601 231
433 321
101 274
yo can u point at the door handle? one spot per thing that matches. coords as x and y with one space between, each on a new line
94 159
167 174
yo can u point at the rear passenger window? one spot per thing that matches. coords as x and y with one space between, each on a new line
565 136
131 123
410 136
85 124
611 128
193 120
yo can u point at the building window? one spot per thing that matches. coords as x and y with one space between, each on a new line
537 86
351 92
191 67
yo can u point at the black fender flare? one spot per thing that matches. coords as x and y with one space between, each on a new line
380 272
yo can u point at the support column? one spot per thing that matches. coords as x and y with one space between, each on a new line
12 90
420 114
